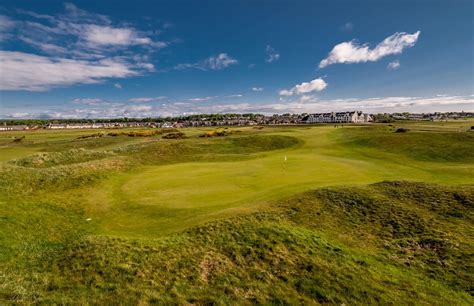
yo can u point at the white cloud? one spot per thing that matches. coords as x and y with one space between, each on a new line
393 65
84 31
257 88
23 71
118 85
272 54
139 108
217 62
203 99
307 98
352 52
208 98
374 105
306 87
220 61
46 47
35 15
146 99
76 47
109 36
302 104
88 101
74 13
285 92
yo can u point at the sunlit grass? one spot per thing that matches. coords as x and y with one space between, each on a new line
272 215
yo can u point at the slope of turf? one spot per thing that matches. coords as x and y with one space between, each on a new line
275 215
364 245
420 144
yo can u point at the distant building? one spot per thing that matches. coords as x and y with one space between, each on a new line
339 117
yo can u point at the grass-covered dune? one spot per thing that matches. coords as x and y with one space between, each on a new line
284 215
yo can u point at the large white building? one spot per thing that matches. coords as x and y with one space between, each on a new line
339 117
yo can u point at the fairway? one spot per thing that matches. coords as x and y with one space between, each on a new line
151 191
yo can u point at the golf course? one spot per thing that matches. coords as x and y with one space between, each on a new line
308 214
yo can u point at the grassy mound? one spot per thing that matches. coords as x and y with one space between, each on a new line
258 143
17 180
230 220
218 133
441 146
74 168
419 226
148 133
50 159
174 135
213 149
379 244
95 135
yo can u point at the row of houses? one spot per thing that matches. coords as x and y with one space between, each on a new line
338 117
436 116
64 126
241 120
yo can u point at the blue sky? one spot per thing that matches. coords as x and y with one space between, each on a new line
160 58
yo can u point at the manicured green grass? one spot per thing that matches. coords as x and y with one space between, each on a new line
282 215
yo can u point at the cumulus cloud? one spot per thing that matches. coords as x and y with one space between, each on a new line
118 86
84 31
352 52
272 54
23 71
393 65
76 47
257 88
217 62
306 87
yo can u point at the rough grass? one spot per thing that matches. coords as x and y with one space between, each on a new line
73 168
419 226
50 159
17 180
417 144
243 219
292 254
